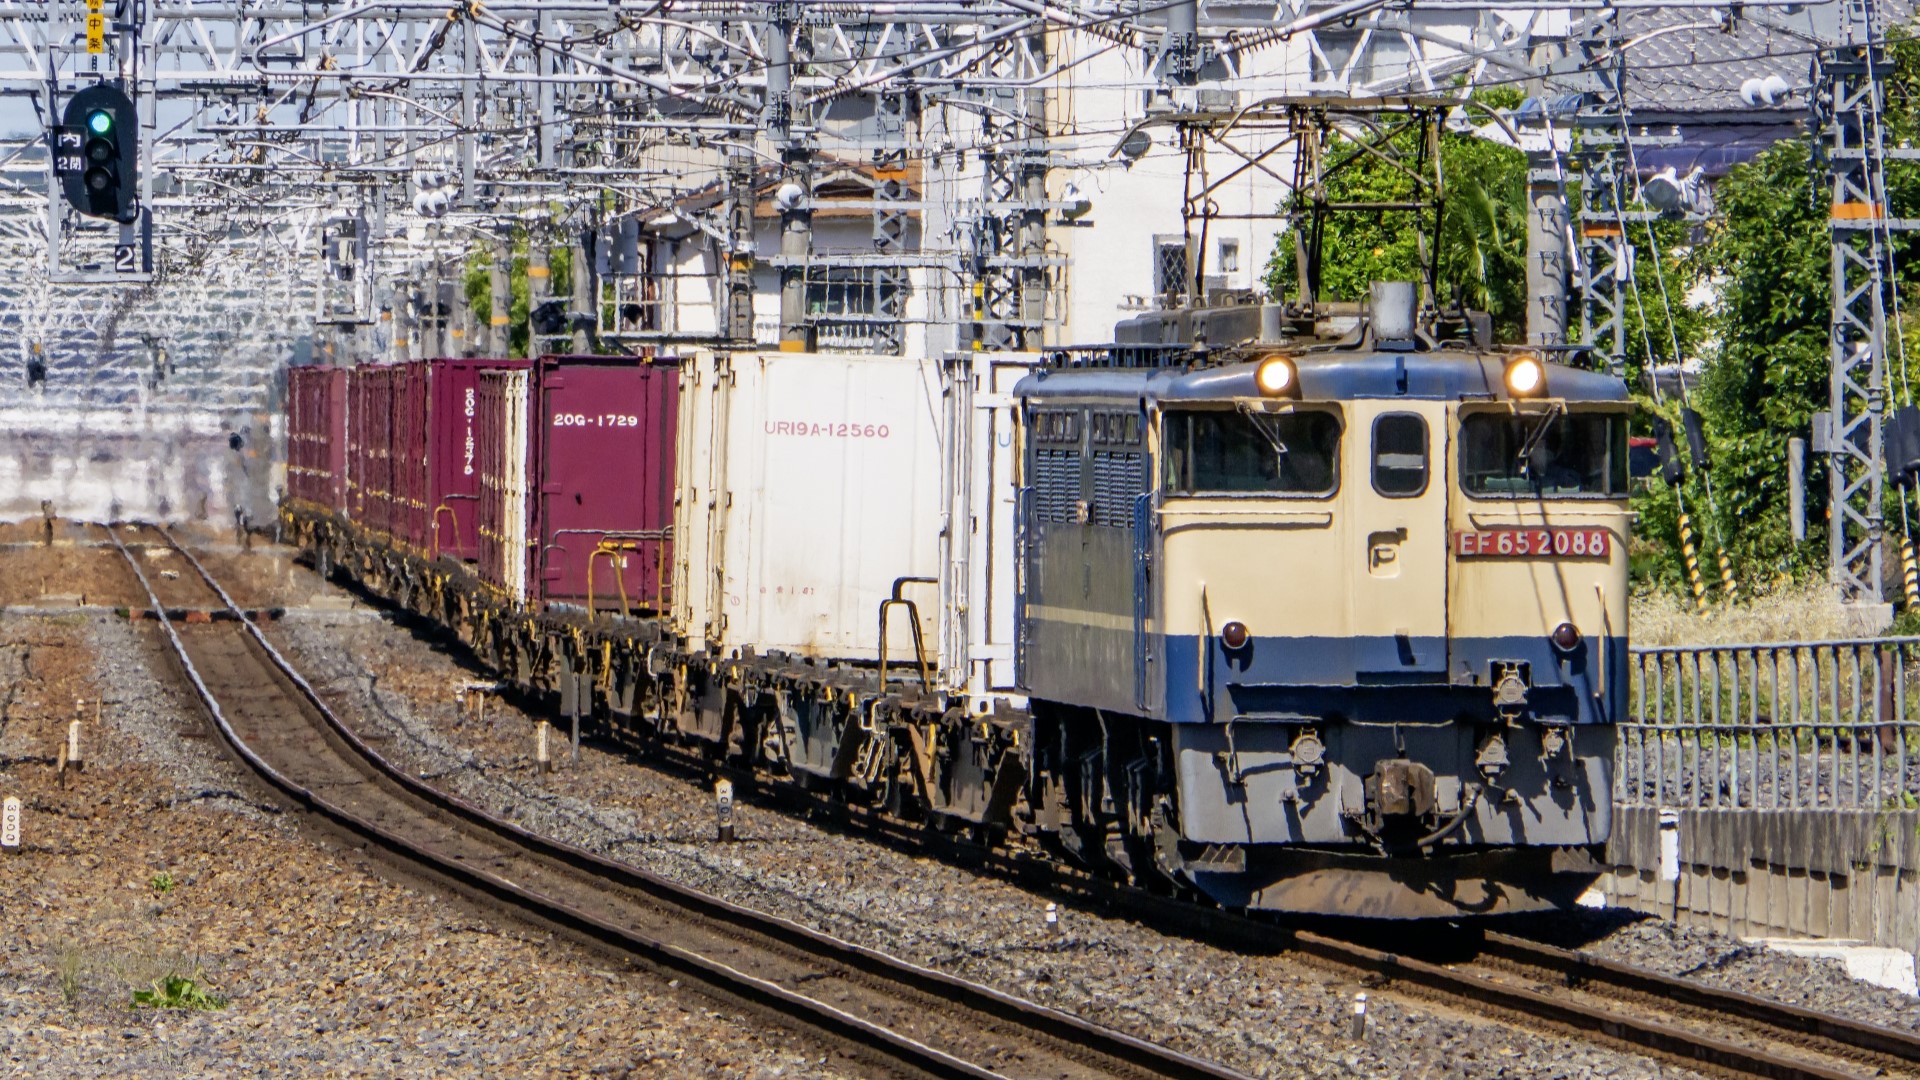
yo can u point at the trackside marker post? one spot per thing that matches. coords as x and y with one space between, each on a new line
10 824
723 808
1360 1015
542 752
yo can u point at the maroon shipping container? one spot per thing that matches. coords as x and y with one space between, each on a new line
601 443
412 449
370 446
577 456
317 436
452 494
363 445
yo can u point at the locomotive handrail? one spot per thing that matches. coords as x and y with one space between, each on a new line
1485 518
1307 517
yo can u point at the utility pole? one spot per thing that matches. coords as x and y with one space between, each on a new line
796 213
500 284
740 252
1546 252
1850 82
1007 266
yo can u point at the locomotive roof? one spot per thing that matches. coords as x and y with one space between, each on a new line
1444 375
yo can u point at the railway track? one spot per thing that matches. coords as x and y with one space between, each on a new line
902 1018
1718 1031
1483 972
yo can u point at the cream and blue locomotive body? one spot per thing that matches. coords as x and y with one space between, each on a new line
1337 629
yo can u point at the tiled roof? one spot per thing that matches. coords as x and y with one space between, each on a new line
1688 61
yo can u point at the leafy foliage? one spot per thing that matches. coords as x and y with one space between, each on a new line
478 285
1483 228
177 992
1768 256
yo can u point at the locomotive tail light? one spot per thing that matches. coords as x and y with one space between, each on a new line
1565 637
1277 377
1526 376
1234 636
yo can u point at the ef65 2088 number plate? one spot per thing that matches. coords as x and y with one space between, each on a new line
1533 543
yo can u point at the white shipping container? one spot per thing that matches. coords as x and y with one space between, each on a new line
810 485
514 483
977 483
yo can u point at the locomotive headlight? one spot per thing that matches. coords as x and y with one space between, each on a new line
1565 637
1234 636
1526 376
1276 377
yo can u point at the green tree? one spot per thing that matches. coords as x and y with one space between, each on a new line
1767 254
479 285
1483 227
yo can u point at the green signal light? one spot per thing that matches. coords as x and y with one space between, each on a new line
100 122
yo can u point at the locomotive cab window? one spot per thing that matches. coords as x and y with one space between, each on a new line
1247 452
1552 455
1400 455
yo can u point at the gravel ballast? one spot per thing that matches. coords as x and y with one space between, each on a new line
1265 1015
160 861
331 967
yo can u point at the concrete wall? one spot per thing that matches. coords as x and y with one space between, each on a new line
1785 873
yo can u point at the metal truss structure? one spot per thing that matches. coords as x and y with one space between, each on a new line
413 131
381 150
1848 101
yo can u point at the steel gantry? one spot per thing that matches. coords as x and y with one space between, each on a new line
393 137
1849 96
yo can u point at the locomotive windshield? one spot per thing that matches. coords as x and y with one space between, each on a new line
1215 451
1552 455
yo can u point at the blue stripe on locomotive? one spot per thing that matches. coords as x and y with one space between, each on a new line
1300 679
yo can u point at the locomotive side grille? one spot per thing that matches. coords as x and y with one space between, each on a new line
1056 484
1117 479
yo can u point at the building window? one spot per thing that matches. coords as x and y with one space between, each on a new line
852 307
1170 273
1229 256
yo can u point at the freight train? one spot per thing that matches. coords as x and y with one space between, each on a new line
1224 608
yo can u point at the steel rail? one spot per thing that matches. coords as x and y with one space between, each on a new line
1693 1048
1434 979
1133 1054
1622 1031
1580 969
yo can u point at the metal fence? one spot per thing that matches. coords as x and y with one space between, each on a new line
1777 726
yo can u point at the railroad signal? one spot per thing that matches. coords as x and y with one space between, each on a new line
96 153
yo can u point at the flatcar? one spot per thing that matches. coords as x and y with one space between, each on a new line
1225 607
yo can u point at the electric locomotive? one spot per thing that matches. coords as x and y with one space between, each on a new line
1324 626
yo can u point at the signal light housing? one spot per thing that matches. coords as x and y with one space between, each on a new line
1234 636
104 182
1565 637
